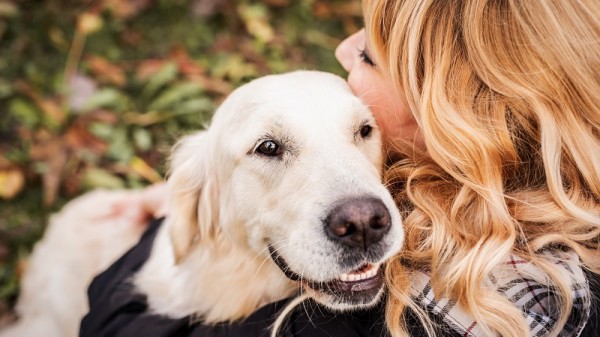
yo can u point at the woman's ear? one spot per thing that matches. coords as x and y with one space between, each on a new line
192 194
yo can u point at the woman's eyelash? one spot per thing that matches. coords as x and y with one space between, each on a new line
364 56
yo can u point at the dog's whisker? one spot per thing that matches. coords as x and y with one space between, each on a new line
265 259
266 249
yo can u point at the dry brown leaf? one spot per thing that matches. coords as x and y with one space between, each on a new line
215 84
79 137
50 106
139 166
148 68
105 71
12 181
185 64
125 9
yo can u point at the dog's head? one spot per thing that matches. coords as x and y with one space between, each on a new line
290 169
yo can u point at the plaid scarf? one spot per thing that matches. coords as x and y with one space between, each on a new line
523 284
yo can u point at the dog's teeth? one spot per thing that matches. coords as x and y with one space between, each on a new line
350 277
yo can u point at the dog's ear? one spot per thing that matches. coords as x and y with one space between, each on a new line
193 194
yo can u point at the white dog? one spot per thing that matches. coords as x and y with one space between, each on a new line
282 191
83 239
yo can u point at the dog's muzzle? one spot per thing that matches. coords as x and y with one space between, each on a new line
359 287
358 226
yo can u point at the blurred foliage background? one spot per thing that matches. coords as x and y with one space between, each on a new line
94 92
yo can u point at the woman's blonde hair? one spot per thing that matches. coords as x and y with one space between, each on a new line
507 97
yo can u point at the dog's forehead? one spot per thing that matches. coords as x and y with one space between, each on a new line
291 99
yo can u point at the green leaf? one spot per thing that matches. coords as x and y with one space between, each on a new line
203 106
174 95
26 112
165 75
234 67
256 18
142 139
100 178
102 130
5 88
106 98
120 147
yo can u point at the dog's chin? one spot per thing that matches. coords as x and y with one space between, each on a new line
362 287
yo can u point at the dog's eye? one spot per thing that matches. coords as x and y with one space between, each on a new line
365 130
269 148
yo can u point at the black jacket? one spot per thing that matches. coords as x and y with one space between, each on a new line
116 311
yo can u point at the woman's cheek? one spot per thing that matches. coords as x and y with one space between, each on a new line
373 98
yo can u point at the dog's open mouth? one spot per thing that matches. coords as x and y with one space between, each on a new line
360 286
368 278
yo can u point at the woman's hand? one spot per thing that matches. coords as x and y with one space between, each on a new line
153 200
136 206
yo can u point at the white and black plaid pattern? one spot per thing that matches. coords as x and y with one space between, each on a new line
523 284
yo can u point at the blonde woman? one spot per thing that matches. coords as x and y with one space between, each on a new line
491 112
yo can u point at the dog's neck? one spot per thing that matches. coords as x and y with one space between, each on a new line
216 282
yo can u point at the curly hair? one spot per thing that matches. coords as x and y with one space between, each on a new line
506 95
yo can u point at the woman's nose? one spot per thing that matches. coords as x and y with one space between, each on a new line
348 50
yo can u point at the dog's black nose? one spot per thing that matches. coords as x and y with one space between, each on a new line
358 222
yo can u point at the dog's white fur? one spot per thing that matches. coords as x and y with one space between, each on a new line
80 241
228 203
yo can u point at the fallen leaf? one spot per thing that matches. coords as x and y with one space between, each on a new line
174 95
49 106
215 84
52 110
12 181
143 118
256 19
106 98
106 71
139 166
78 137
187 66
147 68
125 9
27 113
167 73
100 178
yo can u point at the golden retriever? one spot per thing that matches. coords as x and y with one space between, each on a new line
282 192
